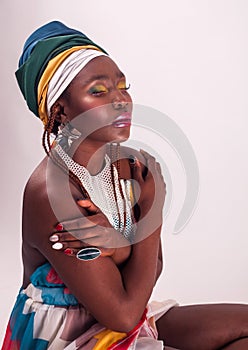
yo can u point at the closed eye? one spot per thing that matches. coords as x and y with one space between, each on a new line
122 84
98 90
124 87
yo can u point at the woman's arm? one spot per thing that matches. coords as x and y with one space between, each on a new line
94 232
75 234
116 299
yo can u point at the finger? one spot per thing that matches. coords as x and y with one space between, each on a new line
80 228
101 237
151 167
72 235
68 238
73 245
150 162
100 220
158 166
107 251
74 224
61 236
88 205
70 245
71 252
159 170
146 154
93 236
57 246
136 169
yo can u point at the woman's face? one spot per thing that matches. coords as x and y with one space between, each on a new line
97 102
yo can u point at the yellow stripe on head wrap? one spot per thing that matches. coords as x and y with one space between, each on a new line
47 75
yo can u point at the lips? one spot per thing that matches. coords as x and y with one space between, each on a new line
122 121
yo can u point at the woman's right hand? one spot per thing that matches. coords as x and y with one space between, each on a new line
93 230
150 188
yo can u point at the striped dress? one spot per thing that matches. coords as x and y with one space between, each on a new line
46 316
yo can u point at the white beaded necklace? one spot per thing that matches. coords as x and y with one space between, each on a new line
100 188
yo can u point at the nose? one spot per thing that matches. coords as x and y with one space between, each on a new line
119 101
119 104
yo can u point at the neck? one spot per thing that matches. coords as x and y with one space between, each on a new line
90 155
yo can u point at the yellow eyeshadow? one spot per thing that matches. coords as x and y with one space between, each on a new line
122 85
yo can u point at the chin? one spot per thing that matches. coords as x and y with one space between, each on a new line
121 138
121 135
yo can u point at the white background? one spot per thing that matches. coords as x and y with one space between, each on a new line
187 59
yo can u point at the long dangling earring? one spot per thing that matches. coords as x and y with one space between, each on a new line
67 134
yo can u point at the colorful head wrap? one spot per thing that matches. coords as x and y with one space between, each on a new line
43 53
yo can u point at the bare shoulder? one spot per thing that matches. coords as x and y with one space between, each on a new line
35 196
45 203
49 197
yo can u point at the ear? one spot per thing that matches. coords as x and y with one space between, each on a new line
58 110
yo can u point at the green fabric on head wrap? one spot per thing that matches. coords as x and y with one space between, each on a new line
29 74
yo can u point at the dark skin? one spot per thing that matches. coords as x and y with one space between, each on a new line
121 269
38 222
39 219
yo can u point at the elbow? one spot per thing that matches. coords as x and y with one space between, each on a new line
125 323
124 326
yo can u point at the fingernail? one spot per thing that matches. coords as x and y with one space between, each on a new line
68 251
82 199
132 159
84 202
57 246
59 227
54 238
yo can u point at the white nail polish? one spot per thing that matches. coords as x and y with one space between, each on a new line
57 246
54 238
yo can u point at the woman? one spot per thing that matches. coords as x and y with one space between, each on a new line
74 297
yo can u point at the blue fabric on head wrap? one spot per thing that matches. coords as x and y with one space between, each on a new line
43 45
49 30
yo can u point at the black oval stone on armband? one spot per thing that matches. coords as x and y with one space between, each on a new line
88 253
